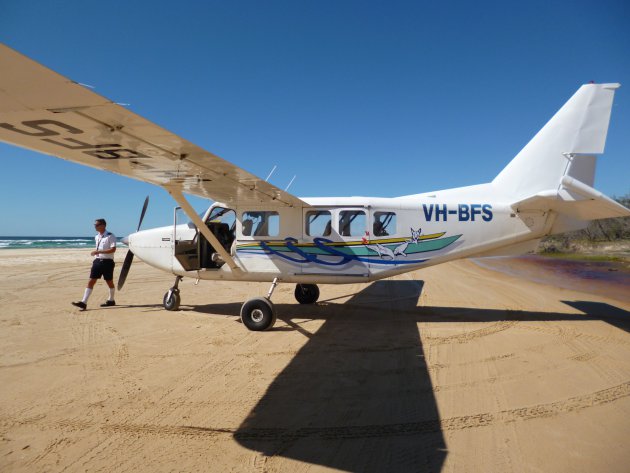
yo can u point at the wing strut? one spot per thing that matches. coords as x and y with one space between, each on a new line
205 231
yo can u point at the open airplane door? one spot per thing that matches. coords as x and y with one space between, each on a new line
184 253
192 251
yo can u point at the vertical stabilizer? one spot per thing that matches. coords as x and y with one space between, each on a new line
576 132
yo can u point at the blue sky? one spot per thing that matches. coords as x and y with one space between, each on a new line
354 97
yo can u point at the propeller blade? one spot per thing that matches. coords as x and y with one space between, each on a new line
144 209
129 258
125 269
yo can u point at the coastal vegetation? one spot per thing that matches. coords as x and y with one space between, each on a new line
607 239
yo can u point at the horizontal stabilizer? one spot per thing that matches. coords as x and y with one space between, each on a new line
574 199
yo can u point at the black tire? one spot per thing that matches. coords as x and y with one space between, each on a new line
258 314
172 303
306 293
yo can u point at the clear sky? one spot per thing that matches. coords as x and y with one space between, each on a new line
381 98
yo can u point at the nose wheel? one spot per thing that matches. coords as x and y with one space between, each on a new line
172 298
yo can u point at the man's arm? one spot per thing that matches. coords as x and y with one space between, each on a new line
104 252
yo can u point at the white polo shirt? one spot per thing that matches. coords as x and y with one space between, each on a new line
105 241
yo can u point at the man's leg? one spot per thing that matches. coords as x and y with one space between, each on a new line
86 294
112 289
108 276
88 290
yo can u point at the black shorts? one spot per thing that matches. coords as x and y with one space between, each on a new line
102 267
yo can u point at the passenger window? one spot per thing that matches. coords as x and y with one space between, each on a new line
352 223
261 223
384 224
318 223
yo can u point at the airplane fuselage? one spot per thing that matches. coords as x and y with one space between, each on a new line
346 240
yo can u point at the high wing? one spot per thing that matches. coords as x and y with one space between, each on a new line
46 112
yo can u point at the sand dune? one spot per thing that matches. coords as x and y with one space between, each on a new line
452 368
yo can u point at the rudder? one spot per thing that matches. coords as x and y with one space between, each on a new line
566 145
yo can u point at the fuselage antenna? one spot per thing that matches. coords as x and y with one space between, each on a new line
274 168
287 188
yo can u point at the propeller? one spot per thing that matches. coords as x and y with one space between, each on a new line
129 258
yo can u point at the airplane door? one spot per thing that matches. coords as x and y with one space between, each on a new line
334 241
184 247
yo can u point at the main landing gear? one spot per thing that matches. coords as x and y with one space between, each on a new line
306 293
259 314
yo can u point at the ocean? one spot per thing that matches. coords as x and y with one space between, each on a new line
21 242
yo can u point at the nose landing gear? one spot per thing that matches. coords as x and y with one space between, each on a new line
172 298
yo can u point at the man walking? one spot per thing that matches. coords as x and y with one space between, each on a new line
103 264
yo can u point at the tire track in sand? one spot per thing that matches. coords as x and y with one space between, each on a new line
486 419
576 334
472 335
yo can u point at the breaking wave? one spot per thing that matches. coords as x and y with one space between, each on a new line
45 242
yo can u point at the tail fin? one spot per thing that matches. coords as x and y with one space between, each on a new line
555 171
564 146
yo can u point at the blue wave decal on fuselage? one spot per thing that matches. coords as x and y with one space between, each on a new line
290 250
306 257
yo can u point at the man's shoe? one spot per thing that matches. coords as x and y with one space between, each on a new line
108 303
81 305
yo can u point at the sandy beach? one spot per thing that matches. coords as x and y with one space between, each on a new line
452 368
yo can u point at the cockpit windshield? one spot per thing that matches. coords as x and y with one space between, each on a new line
222 215
201 214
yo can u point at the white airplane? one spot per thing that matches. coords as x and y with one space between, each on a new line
257 232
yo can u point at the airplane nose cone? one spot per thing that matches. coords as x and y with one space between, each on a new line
125 240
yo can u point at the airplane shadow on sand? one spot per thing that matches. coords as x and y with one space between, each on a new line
358 395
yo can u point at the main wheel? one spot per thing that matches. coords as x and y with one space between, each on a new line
172 303
258 314
306 293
